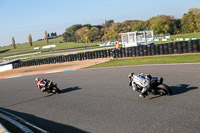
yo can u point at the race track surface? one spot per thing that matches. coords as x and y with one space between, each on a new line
100 101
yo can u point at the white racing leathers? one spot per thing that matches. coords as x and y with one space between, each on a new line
142 81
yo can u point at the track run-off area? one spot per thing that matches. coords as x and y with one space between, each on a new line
100 101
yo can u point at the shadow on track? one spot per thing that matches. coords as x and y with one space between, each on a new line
49 126
179 89
49 95
70 89
182 88
30 100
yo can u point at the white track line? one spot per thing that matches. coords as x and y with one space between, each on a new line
24 121
19 125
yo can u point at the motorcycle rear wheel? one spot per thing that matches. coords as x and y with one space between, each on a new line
56 89
163 89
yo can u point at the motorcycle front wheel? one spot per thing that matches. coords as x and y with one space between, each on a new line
163 89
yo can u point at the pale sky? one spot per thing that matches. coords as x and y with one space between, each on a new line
19 18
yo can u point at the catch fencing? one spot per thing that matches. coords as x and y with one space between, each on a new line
192 46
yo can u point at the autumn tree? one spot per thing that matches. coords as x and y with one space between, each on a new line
127 25
13 42
196 13
66 37
30 40
69 33
138 26
94 34
81 35
109 31
108 23
87 25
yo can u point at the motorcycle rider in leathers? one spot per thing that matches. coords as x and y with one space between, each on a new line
141 80
42 84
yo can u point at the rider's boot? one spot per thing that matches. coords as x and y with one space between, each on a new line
134 87
143 92
142 95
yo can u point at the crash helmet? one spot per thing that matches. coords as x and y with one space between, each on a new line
141 75
37 79
131 75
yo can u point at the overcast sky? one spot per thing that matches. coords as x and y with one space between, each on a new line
19 18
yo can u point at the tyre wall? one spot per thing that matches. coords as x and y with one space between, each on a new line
192 46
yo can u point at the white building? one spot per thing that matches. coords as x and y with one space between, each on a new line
137 38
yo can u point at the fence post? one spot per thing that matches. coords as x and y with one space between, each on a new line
190 46
126 52
148 50
198 44
195 46
114 53
180 47
130 51
161 49
153 51
175 47
185 47
137 53
141 51
165 47
123 52
157 48
133 51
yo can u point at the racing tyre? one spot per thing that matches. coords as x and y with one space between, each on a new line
57 90
164 90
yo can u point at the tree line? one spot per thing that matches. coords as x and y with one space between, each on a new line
161 24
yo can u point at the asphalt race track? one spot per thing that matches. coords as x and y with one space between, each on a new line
100 101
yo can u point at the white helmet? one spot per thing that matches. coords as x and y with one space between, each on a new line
141 75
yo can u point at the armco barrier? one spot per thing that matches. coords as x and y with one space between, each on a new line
6 67
192 46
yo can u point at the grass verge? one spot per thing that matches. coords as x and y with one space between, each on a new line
26 48
169 59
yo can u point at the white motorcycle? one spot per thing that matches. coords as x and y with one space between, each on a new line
155 86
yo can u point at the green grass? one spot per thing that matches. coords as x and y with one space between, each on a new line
188 35
186 58
162 42
26 48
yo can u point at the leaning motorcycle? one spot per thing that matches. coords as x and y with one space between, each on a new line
52 88
156 87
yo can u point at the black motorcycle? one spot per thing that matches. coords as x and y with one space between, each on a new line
156 87
52 88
